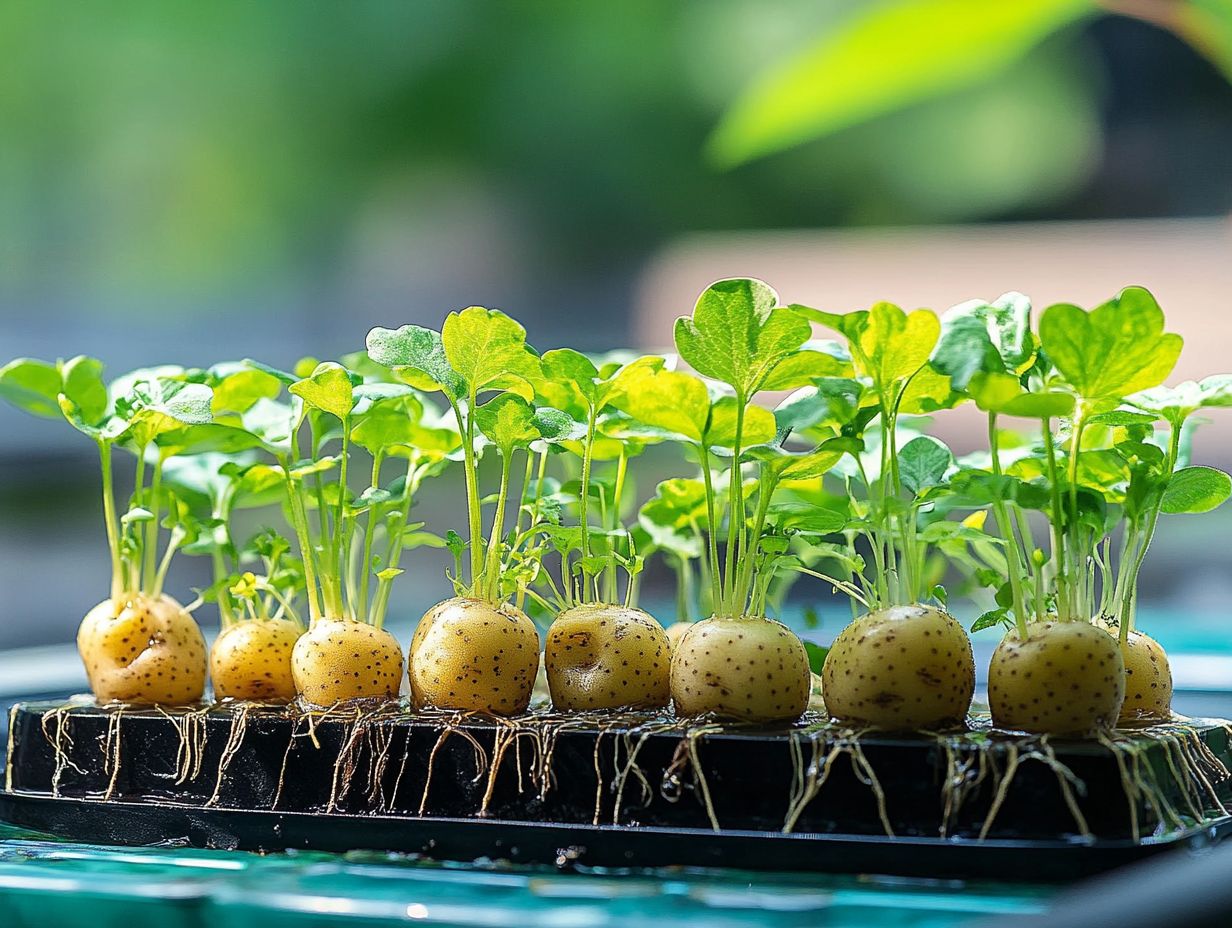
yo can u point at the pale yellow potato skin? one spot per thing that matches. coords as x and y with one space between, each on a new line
607 657
900 668
1067 678
676 631
748 669
1148 679
143 651
252 660
474 655
337 660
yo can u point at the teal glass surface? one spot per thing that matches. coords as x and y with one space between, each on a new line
45 882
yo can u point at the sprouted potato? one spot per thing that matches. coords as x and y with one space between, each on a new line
476 651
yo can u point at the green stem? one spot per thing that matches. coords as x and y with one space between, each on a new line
1015 570
1064 604
712 529
151 530
369 531
735 514
396 528
584 501
618 494
110 519
475 517
491 575
299 519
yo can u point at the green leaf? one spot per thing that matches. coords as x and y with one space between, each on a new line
816 656
328 389
32 386
508 421
417 357
83 384
1117 349
792 515
569 379
239 391
990 337
923 463
675 402
1196 489
831 402
894 345
885 57
488 351
738 334
758 426
803 367
557 427
990 619
1002 393
388 422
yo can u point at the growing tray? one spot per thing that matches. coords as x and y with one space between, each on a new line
626 790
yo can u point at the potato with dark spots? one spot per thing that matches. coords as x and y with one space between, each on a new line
251 659
1148 679
746 669
676 631
900 668
474 655
338 660
143 651
607 657
1066 678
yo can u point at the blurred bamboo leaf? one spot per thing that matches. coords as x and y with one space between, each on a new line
888 57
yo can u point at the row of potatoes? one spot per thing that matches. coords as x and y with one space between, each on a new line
902 668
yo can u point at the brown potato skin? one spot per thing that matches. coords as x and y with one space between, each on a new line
252 660
1067 678
901 668
607 657
338 660
1148 679
748 669
474 655
143 651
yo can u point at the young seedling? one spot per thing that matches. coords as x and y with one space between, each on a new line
475 651
907 663
674 523
737 663
139 645
599 654
1056 671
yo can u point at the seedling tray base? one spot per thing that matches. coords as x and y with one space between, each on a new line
632 790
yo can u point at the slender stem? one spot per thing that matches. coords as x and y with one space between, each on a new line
151 531
299 519
712 530
173 544
1062 579
1015 569
369 530
109 518
466 426
396 528
491 576
526 481
735 514
584 501
618 494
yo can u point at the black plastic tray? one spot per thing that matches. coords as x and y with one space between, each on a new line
632 790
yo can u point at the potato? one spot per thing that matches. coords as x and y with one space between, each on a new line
676 631
749 669
474 655
1067 678
143 651
252 660
1148 679
339 659
607 657
901 668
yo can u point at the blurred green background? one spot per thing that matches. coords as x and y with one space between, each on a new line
188 182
